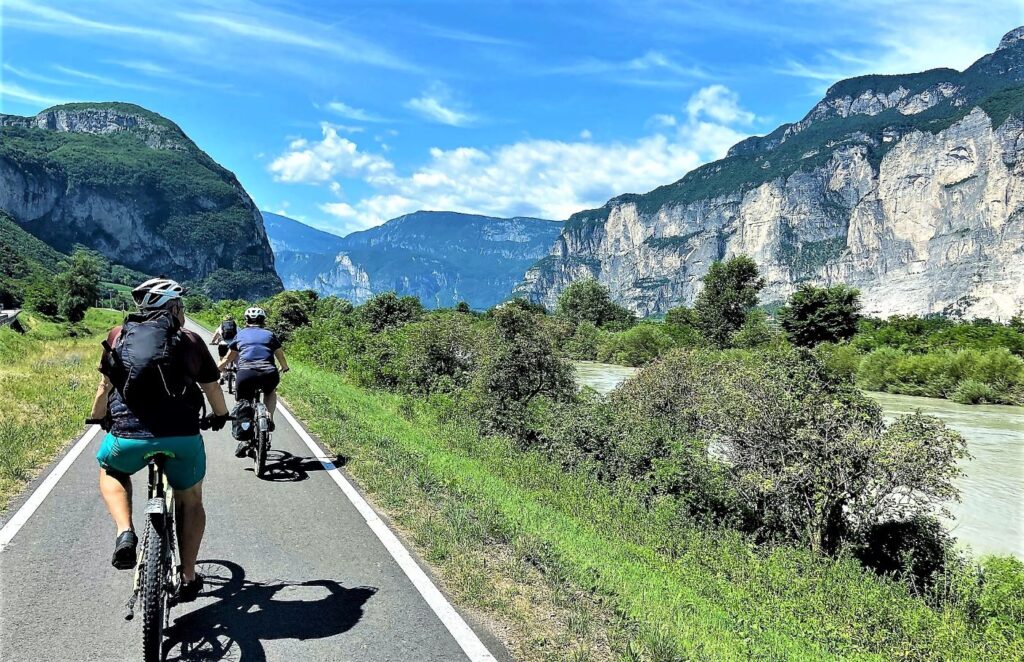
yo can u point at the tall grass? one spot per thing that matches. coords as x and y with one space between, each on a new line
679 592
48 378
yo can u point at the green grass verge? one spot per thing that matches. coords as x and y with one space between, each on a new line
672 591
48 380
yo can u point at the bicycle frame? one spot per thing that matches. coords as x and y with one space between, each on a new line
159 515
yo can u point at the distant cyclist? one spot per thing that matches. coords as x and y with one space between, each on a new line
255 350
154 375
225 333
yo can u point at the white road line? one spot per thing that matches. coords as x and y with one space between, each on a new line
460 630
14 524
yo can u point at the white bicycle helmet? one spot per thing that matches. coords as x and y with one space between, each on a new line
155 293
255 315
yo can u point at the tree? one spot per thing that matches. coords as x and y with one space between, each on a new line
291 310
463 307
78 285
518 365
730 292
388 310
587 300
815 315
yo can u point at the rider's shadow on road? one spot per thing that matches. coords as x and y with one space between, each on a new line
246 614
283 467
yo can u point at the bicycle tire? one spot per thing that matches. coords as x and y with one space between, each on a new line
152 593
260 454
231 383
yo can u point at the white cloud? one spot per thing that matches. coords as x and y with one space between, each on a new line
9 90
436 105
653 68
585 134
357 114
332 157
545 178
662 120
718 103
25 74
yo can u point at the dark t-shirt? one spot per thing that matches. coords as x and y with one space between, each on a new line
255 347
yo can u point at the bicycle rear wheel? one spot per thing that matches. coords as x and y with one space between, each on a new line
231 382
260 453
153 594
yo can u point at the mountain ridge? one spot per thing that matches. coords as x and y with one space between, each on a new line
130 184
442 257
814 201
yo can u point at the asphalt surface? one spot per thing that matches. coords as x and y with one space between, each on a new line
294 573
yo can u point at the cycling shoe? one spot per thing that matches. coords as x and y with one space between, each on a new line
188 591
124 551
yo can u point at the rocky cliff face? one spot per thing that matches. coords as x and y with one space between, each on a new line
130 184
908 187
441 257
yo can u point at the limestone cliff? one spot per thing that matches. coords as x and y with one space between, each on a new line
908 187
130 184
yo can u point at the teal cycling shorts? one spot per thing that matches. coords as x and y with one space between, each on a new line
185 467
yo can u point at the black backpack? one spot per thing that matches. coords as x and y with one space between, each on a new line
145 365
228 329
242 425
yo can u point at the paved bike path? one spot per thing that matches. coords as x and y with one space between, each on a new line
297 574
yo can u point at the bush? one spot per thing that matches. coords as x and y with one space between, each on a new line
583 344
518 364
972 392
79 285
439 353
388 310
938 374
637 346
917 549
289 311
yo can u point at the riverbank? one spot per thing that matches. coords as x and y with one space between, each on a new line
496 520
48 378
990 516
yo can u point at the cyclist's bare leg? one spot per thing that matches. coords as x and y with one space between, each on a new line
117 494
191 524
270 400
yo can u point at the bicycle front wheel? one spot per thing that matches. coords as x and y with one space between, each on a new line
153 594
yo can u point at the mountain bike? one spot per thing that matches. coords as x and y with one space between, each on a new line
230 371
261 441
156 571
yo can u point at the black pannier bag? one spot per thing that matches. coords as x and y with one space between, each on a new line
242 427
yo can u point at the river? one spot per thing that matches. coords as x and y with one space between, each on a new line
990 517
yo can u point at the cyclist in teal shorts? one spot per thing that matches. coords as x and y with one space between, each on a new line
155 373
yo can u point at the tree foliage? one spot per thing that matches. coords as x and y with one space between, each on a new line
815 315
388 310
78 285
587 300
729 294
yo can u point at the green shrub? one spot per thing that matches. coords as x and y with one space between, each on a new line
972 392
635 347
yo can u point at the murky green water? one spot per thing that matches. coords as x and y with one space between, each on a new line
990 517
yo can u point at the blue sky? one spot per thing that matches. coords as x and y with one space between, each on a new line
346 114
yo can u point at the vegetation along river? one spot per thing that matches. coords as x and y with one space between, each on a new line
990 517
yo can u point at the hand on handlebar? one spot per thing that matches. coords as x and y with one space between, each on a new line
104 422
214 422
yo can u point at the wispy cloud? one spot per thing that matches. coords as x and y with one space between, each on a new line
27 74
436 105
9 90
155 70
20 13
352 113
343 46
653 68
102 80
464 36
